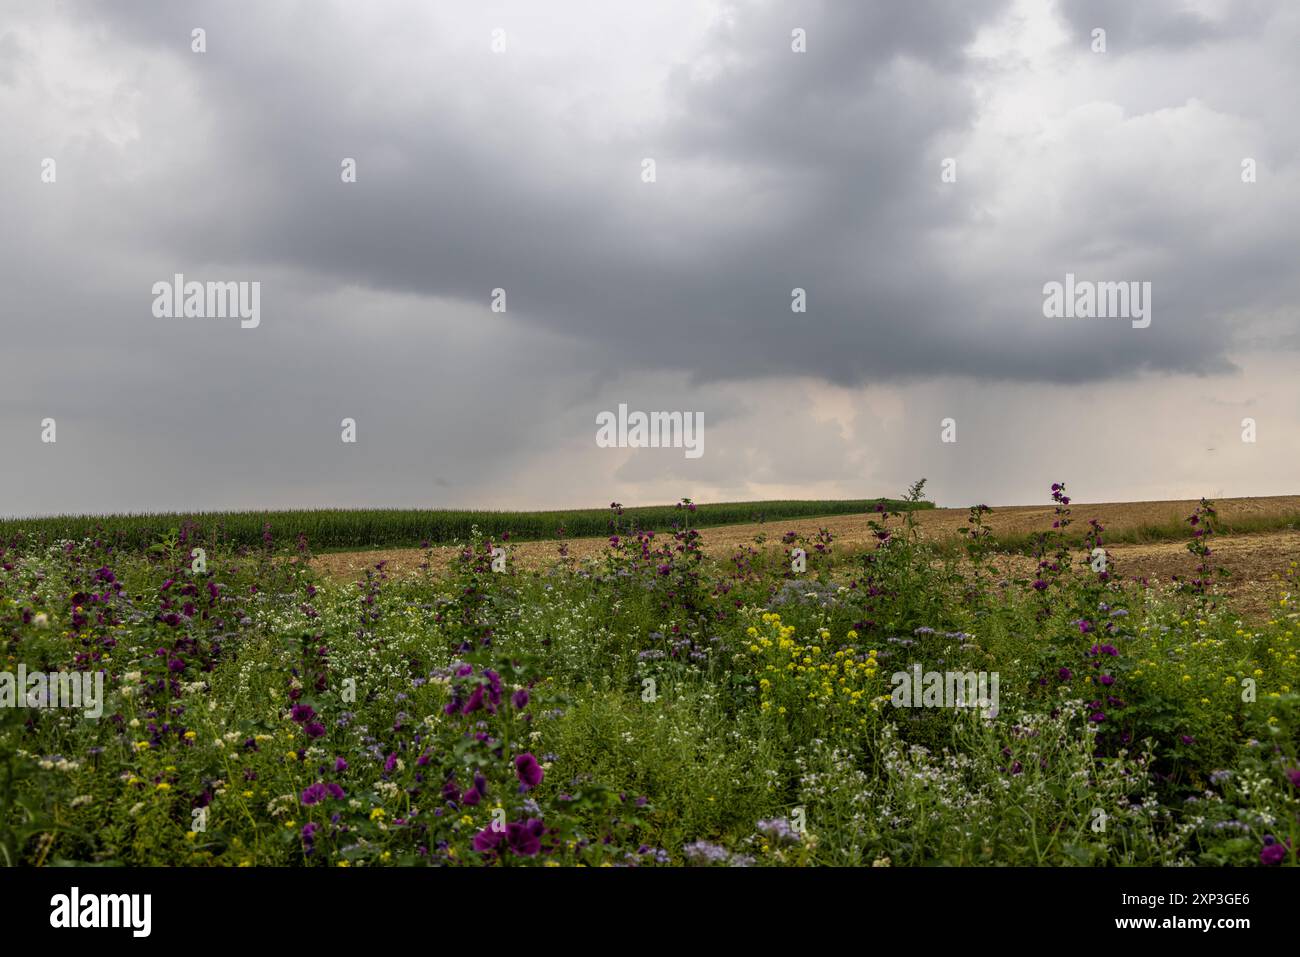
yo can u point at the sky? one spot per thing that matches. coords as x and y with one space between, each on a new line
648 185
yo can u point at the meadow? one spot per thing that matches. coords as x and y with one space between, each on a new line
649 705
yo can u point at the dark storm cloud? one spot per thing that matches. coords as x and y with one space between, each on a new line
776 170
522 170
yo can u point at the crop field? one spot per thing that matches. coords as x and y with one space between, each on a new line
375 528
874 685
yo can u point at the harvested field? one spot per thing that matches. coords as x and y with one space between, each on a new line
1255 560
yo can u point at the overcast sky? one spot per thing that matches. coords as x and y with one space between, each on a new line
522 169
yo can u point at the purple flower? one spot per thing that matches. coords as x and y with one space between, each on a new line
1294 775
450 789
529 771
1272 854
494 680
525 837
704 853
488 840
314 794
302 713
314 729
340 764
779 831
475 701
1107 679
1065 674
476 793
520 699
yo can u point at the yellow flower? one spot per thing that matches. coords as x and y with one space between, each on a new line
376 814
191 735
163 786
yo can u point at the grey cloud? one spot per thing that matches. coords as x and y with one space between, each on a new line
776 170
1161 23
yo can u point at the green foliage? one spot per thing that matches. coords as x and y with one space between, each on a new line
644 707
381 527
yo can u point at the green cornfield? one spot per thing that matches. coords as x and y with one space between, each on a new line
394 527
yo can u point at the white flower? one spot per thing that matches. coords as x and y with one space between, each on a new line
41 620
